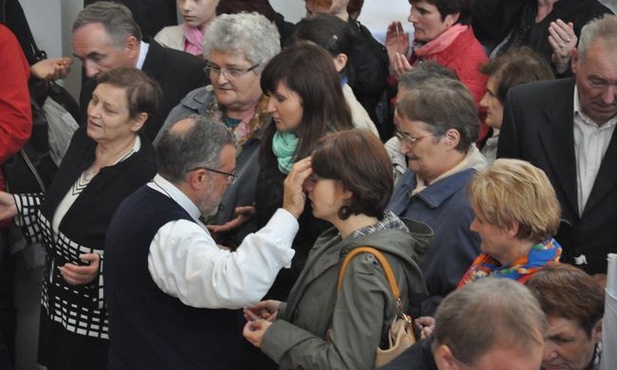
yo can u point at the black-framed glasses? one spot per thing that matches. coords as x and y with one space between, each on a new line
228 73
231 177
409 139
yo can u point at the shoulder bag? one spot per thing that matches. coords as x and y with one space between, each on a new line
400 335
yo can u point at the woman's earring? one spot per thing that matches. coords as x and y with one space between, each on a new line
344 212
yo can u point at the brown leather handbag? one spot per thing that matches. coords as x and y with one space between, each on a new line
400 335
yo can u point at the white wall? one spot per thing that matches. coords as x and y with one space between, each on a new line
50 21
611 4
45 19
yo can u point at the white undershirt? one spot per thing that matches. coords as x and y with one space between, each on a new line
590 144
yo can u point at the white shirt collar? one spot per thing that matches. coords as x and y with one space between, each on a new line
143 51
160 184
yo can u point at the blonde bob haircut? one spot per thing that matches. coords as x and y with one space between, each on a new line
514 191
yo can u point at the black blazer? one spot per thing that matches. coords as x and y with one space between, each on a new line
177 72
538 127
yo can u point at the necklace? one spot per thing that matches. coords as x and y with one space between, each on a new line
93 170
89 174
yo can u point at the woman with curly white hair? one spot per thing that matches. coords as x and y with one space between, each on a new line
237 47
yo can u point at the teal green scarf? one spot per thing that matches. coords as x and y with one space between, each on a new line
284 146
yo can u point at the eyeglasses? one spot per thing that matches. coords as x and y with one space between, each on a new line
228 73
408 139
231 177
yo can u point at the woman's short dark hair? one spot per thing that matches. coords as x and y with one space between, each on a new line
308 71
358 159
143 94
570 293
328 31
447 7
517 67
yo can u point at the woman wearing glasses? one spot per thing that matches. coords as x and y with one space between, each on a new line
237 47
106 161
318 327
438 125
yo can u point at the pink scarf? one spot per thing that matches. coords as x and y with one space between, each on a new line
194 39
441 42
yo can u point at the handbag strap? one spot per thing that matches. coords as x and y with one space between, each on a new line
384 264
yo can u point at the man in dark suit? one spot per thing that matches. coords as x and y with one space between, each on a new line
565 127
105 36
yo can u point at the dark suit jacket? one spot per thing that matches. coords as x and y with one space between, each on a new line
538 127
177 72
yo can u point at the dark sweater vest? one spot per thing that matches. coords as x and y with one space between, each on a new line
148 328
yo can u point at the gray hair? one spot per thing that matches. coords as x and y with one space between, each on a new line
248 34
424 71
603 28
487 313
443 104
115 17
200 145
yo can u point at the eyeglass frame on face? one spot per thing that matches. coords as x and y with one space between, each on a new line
410 140
228 73
231 177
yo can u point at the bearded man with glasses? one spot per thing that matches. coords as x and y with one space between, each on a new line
174 294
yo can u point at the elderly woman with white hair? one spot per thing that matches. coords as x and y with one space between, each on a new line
237 47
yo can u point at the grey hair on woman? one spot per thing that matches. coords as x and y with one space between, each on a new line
178 152
249 34
443 104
